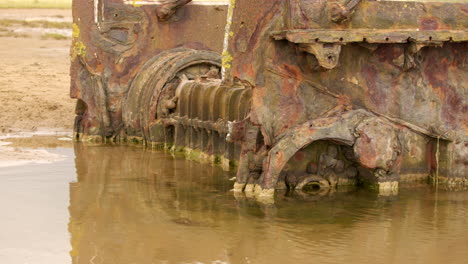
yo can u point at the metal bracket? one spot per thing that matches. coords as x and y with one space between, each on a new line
412 50
327 54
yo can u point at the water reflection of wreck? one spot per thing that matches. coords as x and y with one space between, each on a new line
134 206
125 205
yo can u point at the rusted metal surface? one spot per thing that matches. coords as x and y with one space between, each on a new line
329 93
113 40
428 37
326 44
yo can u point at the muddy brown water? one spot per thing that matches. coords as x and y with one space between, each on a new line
124 205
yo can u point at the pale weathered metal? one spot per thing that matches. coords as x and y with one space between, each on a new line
289 92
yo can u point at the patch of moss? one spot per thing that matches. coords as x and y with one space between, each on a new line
192 155
79 49
75 30
217 160
226 60
233 164
168 146
177 149
157 146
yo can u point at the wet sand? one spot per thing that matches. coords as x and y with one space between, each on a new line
34 84
34 79
30 148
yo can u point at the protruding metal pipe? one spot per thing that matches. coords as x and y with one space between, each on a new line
168 8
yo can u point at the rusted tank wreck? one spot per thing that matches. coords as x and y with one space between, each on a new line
291 93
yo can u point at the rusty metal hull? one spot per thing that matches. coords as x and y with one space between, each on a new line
305 93
112 41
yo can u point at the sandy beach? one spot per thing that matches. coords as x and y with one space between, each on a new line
34 85
34 79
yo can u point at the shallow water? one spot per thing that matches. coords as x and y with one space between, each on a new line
124 205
